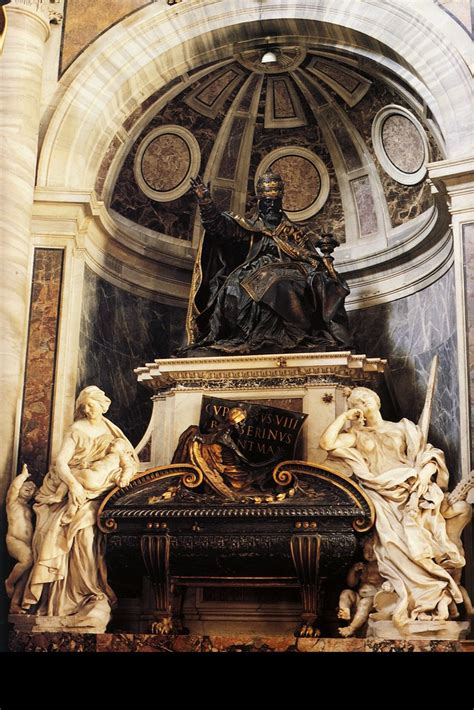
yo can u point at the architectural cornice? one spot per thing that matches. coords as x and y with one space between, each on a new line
268 370
159 267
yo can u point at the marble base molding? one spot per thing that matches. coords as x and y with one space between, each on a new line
452 630
75 623
155 643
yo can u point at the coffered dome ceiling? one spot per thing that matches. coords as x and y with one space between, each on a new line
351 144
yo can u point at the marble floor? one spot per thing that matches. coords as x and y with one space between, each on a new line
156 643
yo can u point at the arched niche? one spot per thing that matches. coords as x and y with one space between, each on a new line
110 81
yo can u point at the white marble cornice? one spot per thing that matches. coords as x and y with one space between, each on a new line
279 369
159 267
62 214
454 181
452 175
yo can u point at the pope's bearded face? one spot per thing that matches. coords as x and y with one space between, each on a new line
271 210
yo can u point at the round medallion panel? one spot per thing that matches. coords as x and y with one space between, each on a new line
305 176
400 144
165 161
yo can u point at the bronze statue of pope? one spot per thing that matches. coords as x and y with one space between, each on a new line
260 285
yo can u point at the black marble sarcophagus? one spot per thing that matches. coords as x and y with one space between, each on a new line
171 525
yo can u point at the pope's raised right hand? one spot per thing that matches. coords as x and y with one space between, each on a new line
200 189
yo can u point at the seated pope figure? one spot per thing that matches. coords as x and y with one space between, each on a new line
260 285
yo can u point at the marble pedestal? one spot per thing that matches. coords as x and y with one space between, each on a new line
446 630
93 619
313 383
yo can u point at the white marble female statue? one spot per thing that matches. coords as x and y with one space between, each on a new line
69 578
406 479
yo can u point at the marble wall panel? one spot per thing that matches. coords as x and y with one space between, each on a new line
41 361
212 91
165 162
364 200
210 95
247 99
345 142
338 74
409 332
85 20
403 143
222 198
468 249
331 217
302 182
282 103
176 217
120 331
231 149
404 201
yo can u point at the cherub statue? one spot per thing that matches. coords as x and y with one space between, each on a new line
366 576
19 535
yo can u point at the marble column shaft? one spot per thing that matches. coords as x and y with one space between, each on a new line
21 68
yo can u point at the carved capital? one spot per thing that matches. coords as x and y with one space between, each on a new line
55 18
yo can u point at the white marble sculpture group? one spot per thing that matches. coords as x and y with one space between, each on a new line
413 560
61 576
417 544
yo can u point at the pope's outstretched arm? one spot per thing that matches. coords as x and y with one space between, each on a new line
214 222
